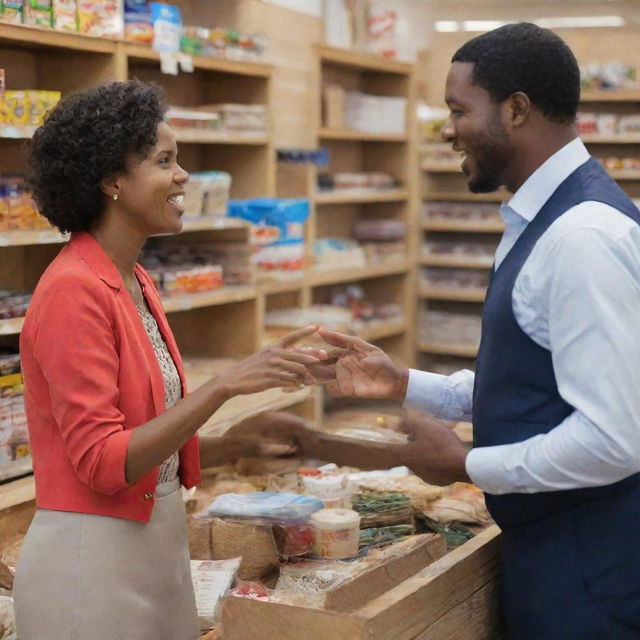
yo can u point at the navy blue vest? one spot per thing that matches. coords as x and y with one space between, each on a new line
515 395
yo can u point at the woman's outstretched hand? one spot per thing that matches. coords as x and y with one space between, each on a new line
276 365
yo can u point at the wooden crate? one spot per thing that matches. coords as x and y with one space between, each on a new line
453 598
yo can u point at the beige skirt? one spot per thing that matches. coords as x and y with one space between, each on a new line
88 577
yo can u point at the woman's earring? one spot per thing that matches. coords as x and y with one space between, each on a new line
115 196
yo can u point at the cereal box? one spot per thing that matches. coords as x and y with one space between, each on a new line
64 15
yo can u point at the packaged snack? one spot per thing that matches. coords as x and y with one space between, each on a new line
167 27
101 18
17 108
265 506
39 103
13 11
65 15
138 26
37 13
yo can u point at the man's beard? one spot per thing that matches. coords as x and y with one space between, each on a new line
491 158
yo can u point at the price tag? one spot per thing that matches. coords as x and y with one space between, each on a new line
169 64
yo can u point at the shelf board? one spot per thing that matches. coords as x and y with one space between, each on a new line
469 226
211 223
17 492
11 326
24 36
619 138
466 196
363 61
224 295
239 408
319 277
31 236
17 132
461 262
624 174
440 348
610 96
347 196
189 136
141 52
363 136
381 330
455 295
440 167
282 286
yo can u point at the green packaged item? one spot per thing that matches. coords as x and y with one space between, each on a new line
454 534
384 535
38 13
13 11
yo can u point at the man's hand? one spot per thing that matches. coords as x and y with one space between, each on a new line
433 452
363 370
270 434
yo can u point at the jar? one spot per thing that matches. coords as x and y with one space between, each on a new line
336 533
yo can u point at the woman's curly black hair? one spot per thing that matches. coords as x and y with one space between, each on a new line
525 57
87 137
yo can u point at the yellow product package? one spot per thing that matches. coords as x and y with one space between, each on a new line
101 18
17 108
40 102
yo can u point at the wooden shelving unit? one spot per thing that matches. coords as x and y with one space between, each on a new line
442 181
225 323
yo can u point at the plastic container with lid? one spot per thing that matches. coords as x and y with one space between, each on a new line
336 533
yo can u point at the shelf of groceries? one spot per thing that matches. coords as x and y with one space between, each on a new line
38 38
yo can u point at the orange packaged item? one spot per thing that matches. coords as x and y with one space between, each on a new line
100 18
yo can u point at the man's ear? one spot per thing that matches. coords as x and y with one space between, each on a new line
109 186
519 109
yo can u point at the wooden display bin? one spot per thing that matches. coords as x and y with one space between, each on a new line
454 597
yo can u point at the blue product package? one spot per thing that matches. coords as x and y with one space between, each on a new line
288 215
167 27
275 507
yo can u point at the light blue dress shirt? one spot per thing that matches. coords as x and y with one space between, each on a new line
578 295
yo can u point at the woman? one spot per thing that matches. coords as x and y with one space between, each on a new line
112 430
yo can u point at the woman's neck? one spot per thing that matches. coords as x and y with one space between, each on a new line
122 245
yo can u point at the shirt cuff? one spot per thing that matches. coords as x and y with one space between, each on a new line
425 392
486 468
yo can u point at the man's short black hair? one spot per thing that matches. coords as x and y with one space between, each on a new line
524 57
87 137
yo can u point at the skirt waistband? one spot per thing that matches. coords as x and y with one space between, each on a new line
166 488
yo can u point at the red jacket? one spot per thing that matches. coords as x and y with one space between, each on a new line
91 376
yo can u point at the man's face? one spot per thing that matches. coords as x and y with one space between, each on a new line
475 128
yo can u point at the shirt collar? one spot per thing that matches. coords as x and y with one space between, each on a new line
541 184
94 255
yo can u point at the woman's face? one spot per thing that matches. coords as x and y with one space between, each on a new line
152 190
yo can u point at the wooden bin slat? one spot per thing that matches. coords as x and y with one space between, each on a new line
363 588
408 610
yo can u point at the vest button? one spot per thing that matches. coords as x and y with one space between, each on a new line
148 495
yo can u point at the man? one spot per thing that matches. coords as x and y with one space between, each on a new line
555 401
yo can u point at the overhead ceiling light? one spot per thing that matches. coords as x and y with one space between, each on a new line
581 21
446 26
